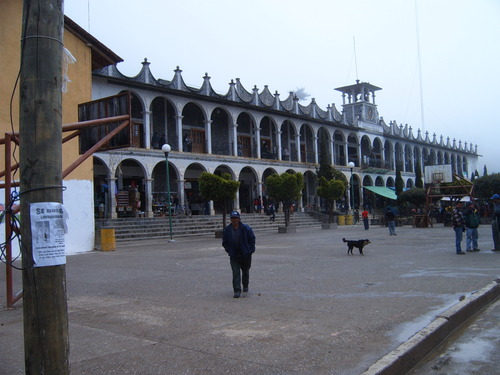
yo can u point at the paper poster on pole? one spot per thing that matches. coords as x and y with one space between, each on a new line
48 226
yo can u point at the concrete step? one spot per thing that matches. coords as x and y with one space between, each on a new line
196 225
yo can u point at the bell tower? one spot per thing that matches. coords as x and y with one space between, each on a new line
358 102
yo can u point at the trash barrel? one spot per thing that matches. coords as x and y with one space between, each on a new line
108 239
348 220
341 219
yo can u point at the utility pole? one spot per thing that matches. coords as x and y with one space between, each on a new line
46 341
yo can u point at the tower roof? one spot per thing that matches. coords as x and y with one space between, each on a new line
358 88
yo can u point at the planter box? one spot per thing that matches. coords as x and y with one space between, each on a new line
289 229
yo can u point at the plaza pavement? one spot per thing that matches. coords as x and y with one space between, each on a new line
160 307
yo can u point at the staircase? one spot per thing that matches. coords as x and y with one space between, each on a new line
197 225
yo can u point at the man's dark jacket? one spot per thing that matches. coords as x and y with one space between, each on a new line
247 245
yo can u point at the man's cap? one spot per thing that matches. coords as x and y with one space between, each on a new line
495 196
234 214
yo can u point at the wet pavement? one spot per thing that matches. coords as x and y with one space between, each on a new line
473 349
160 307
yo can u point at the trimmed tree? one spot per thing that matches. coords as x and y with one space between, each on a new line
285 187
419 182
485 187
415 196
400 184
330 190
218 189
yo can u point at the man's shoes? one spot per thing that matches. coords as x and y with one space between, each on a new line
237 294
476 249
245 289
495 249
460 252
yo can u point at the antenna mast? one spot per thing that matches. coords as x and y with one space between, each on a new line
420 70
355 57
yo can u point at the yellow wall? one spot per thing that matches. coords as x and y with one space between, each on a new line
79 89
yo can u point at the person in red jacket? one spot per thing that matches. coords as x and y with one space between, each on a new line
364 215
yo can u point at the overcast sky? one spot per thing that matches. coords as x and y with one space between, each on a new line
289 44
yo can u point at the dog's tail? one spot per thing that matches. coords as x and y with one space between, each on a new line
343 239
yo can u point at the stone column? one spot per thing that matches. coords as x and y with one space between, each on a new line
297 146
112 190
208 132
178 120
235 139
148 195
146 117
257 139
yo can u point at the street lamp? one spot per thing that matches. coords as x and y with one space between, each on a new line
166 149
351 182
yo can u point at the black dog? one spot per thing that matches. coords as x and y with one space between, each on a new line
359 244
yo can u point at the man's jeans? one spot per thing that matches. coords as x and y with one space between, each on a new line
471 239
459 231
241 272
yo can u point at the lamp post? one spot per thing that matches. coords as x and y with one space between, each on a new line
166 149
351 183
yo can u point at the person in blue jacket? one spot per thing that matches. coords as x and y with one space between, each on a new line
238 240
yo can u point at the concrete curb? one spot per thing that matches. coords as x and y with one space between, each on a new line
408 355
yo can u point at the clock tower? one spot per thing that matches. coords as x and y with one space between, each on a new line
359 102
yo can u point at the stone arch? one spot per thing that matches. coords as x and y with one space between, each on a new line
191 188
439 158
130 174
309 200
408 159
409 183
137 107
159 189
339 148
221 131
288 146
323 146
352 149
248 191
246 136
163 124
398 153
389 154
193 126
379 181
268 139
307 144
366 150
376 153
390 182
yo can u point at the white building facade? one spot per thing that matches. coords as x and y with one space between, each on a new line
250 135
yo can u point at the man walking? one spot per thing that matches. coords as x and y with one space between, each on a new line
391 224
238 240
457 221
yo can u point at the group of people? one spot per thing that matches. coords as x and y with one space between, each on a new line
238 239
467 221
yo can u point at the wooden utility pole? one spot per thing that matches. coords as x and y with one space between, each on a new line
46 341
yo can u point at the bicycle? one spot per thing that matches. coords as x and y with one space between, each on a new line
183 210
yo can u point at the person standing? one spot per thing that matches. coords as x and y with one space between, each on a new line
472 221
495 222
271 212
457 221
364 216
238 240
391 223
